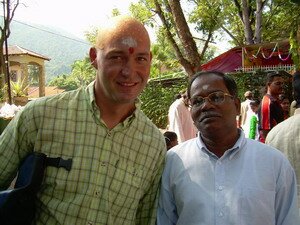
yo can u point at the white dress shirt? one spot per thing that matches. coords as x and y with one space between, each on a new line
251 184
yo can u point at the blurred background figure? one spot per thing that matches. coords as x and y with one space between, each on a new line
171 139
245 107
286 135
270 112
285 104
180 120
251 124
254 134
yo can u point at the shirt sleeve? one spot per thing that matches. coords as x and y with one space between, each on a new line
147 209
253 124
167 211
287 211
265 114
13 148
175 122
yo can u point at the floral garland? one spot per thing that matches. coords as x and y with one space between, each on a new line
254 56
274 49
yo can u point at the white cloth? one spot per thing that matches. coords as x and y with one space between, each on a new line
180 121
285 136
251 184
245 107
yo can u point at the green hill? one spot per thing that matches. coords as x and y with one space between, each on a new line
63 48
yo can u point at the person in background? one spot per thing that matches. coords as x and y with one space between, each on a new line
171 139
250 127
245 108
286 135
180 120
285 105
253 134
117 153
270 112
221 177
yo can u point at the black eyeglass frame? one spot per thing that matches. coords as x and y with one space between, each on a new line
210 99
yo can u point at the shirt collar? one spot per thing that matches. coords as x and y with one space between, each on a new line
90 95
229 152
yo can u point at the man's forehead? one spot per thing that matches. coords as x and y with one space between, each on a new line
208 83
207 80
129 41
278 78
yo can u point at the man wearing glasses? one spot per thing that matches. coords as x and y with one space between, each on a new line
270 112
221 177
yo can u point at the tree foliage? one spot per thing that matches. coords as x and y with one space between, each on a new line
9 8
174 27
244 21
157 98
82 74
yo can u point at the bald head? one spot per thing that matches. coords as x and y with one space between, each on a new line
125 29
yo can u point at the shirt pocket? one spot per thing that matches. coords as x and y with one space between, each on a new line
257 207
125 189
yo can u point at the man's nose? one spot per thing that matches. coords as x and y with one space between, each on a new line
206 104
127 68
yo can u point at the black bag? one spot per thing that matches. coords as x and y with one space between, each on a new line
17 206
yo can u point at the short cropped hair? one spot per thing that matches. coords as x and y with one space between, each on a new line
254 102
228 81
271 75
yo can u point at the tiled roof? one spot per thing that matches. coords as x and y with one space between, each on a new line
17 50
33 92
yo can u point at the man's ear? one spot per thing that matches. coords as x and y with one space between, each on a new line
237 103
93 57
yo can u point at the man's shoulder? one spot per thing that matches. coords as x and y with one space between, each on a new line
264 151
285 126
56 99
145 125
176 103
183 149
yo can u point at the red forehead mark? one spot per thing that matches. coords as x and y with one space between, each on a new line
131 50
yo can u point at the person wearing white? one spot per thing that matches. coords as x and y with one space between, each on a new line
245 108
180 120
248 125
221 177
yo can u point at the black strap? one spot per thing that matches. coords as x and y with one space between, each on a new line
59 162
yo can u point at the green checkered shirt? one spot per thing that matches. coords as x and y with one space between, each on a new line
115 173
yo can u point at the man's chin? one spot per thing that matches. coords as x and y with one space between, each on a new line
130 100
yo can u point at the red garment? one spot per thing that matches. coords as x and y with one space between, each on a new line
270 114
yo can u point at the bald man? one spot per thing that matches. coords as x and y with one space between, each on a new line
117 153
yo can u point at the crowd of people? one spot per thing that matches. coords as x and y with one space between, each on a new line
219 162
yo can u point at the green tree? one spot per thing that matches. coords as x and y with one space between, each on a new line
82 74
175 29
9 8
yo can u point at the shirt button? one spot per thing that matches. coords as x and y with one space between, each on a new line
89 223
220 188
97 193
221 214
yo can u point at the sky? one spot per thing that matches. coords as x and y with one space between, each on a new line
73 16
76 17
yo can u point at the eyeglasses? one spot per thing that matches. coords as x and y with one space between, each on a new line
215 98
